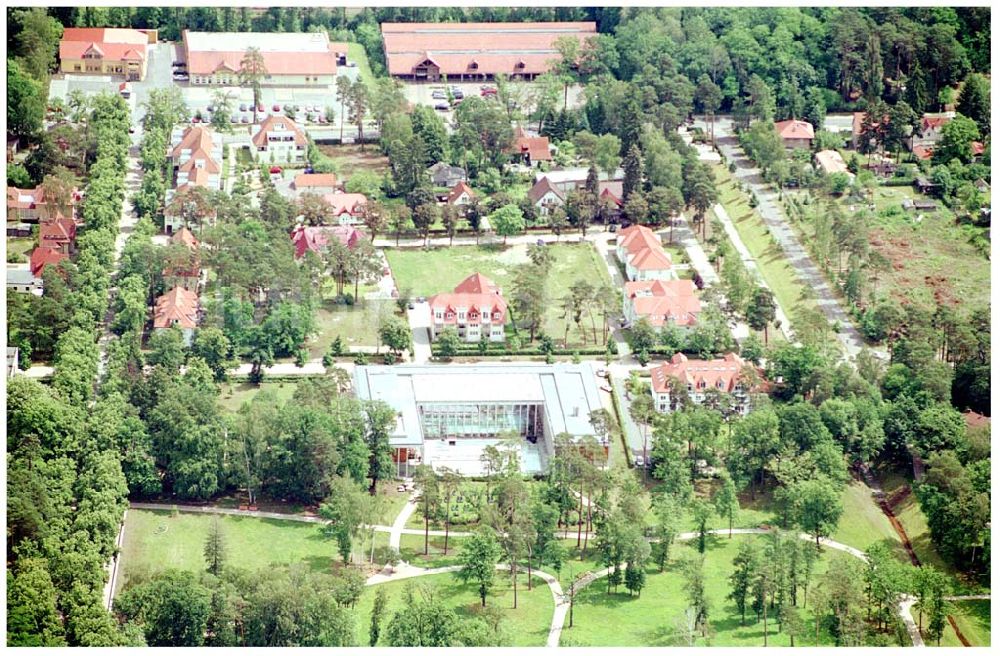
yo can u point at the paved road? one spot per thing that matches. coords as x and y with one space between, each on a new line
399 525
797 256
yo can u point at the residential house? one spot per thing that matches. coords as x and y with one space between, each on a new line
317 238
58 234
184 268
641 251
530 149
696 378
661 302
278 140
610 199
33 205
44 256
291 59
18 229
795 134
460 196
178 308
476 51
445 175
105 51
929 131
347 209
316 183
568 179
475 308
193 149
545 196
23 281
830 162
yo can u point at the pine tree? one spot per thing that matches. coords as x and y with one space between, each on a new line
215 548
378 614
633 171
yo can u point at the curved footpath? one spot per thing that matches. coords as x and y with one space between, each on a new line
406 570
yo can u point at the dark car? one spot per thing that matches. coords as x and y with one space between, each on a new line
243 107
276 108
442 106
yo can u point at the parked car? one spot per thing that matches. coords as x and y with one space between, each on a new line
421 299
487 91
196 119
180 77
457 93
639 462
243 107
442 106
234 119
276 108
244 119
260 107
613 227
210 109
410 305
275 169
438 95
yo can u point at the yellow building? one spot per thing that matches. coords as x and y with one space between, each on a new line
105 51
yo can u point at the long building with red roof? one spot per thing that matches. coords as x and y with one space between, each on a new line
105 51
290 58
640 250
693 378
476 51
475 308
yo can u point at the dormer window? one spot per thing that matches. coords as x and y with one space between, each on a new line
474 65
520 64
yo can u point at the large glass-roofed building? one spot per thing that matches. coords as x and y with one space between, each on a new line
447 415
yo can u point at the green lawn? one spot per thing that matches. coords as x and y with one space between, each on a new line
428 272
158 540
793 295
234 395
973 619
863 523
411 550
356 53
654 619
526 626
18 248
357 325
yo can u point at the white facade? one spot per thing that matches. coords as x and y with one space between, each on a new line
547 203
22 281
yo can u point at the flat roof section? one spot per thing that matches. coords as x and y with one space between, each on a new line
265 41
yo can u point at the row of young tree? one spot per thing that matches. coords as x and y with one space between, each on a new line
66 489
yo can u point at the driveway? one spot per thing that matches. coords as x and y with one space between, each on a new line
420 323
782 232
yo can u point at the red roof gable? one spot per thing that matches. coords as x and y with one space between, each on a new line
457 191
794 129
721 373
178 307
316 238
43 256
477 283
664 301
278 123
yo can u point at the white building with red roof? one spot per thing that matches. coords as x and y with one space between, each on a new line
696 377
317 238
105 51
194 148
44 256
662 302
476 307
460 195
640 250
33 205
302 59
279 140
795 133
476 51
58 234
347 208
178 308
530 149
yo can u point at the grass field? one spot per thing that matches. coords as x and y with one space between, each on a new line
356 53
792 294
428 272
234 395
526 626
411 550
973 619
933 258
350 158
18 248
357 325
654 619
158 540
863 523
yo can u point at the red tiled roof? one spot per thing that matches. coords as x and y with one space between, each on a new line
316 238
308 180
920 151
457 191
721 373
346 203
611 190
477 283
24 199
312 57
43 256
196 139
978 148
637 238
272 123
934 122
794 129
178 307
537 148
526 48
651 259
112 43
186 237
56 232
665 301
